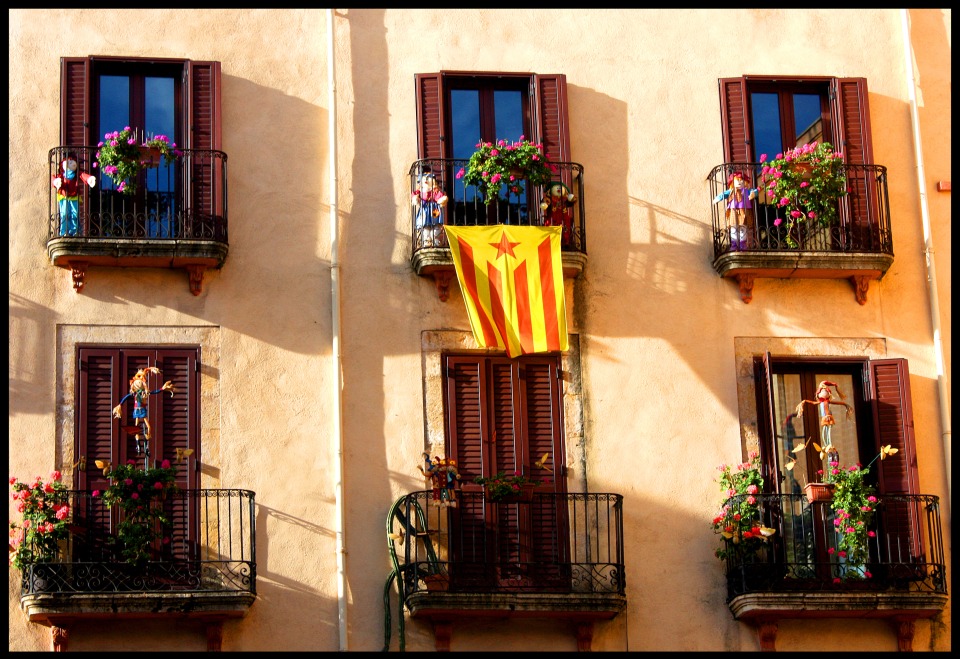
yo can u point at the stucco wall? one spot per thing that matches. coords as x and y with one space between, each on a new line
661 337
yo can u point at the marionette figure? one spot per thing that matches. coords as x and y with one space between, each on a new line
140 394
428 201
739 210
443 477
823 402
556 204
67 184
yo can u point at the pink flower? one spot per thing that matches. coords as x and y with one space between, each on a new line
63 512
842 554
836 580
867 574
166 541
128 481
95 493
751 489
131 462
165 464
751 499
777 222
460 174
158 486
871 534
804 184
48 488
850 529
134 496
763 157
872 499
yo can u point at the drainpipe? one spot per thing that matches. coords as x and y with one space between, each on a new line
942 385
335 329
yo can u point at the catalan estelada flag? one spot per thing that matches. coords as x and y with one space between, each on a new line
512 282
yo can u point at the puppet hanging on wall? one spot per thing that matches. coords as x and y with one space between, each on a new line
443 476
556 204
429 200
823 402
140 393
739 210
67 184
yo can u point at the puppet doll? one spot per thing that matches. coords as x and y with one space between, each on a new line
67 183
141 394
739 210
429 200
823 402
556 203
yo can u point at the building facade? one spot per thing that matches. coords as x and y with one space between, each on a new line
279 272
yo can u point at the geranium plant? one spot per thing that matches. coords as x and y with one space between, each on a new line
806 182
738 522
45 517
854 505
502 486
504 163
138 493
122 157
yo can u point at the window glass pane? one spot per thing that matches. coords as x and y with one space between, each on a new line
767 137
786 393
158 116
508 114
114 104
465 120
807 118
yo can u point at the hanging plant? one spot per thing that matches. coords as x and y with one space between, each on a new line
122 157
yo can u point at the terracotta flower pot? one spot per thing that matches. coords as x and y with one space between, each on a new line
818 491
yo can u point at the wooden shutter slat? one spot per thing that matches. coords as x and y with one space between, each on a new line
733 113
550 116
430 116
75 102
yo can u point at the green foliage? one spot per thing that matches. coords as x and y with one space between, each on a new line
139 494
121 159
738 522
45 519
501 486
854 505
807 181
506 163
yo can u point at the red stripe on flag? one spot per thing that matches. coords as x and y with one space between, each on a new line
524 320
551 318
468 268
496 304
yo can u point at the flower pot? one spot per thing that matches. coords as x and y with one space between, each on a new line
525 494
805 170
437 582
818 491
150 156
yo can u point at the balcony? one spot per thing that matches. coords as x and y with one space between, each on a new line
554 556
178 218
797 576
206 574
859 248
465 207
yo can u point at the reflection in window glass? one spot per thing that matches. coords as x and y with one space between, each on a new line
508 108
766 124
807 118
465 117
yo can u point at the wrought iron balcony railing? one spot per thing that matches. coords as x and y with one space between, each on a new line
858 247
466 206
177 218
182 200
211 549
906 550
864 216
558 555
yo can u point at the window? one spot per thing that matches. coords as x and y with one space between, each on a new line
503 415
763 114
878 392
455 110
104 376
177 98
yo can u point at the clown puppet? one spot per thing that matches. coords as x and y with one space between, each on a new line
824 399
429 200
140 393
67 184
556 203
739 210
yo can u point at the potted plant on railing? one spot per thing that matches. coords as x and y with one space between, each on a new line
806 182
139 494
854 504
502 487
45 516
739 525
504 163
122 156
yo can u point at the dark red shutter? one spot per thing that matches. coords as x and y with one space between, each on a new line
550 116
893 425
901 521
736 124
851 111
203 132
75 103
430 116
